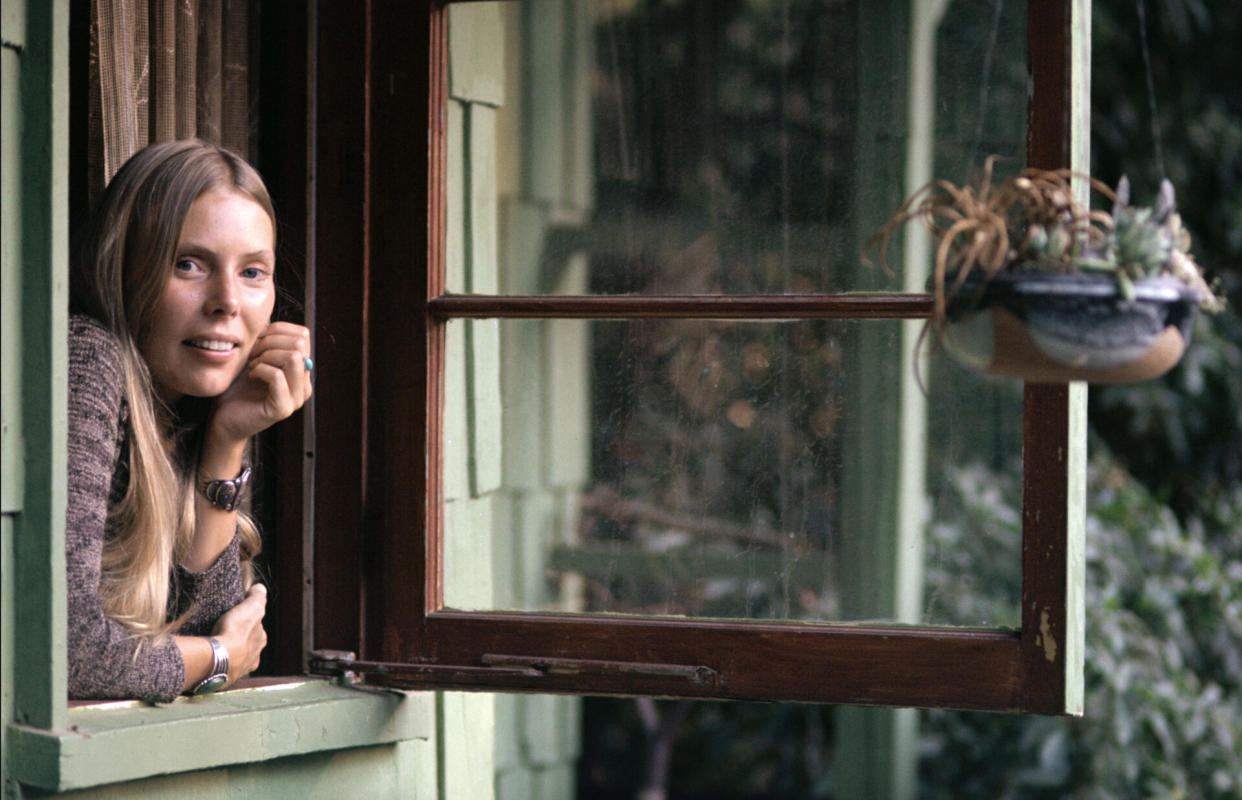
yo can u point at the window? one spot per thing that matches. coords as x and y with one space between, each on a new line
434 335
378 480
369 209
47 742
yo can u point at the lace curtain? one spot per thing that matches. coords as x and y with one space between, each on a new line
166 69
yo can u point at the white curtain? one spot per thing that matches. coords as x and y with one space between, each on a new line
166 69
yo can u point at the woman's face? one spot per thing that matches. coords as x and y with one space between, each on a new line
218 299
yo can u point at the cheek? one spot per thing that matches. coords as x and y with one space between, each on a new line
265 308
176 304
258 312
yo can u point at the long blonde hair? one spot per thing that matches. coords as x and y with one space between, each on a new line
121 271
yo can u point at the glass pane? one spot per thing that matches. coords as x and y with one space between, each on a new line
709 469
705 147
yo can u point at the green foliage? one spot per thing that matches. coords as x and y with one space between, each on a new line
974 515
1187 129
1164 656
1164 582
716 750
1182 435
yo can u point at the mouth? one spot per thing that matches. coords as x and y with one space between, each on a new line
212 345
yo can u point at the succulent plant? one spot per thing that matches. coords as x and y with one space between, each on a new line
1033 222
1146 243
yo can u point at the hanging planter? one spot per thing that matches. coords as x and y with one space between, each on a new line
1047 327
1029 284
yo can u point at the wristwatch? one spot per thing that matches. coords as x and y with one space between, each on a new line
219 674
225 494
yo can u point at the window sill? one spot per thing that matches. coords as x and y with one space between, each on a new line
234 727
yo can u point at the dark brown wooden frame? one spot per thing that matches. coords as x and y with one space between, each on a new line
390 484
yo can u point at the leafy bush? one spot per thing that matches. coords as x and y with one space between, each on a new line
1163 656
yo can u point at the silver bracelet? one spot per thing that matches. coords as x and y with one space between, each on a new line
219 674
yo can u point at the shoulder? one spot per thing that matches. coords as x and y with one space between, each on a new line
89 334
96 371
94 352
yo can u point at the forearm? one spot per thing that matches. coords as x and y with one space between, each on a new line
214 527
197 658
240 632
104 659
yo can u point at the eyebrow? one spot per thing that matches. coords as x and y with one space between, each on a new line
192 249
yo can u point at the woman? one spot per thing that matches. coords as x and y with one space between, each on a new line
174 364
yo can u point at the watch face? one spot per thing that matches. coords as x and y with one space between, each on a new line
212 683
227 495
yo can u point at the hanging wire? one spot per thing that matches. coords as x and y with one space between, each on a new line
786 49
1151 90
628 171
989 55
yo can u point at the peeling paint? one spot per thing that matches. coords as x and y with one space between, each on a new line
1045 636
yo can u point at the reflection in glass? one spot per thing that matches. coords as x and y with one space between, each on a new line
708 147
725 469
660 467
725 132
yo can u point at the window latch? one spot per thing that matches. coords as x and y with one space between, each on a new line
348 669
698 675
516 671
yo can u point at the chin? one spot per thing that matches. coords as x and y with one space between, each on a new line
205 389
211 390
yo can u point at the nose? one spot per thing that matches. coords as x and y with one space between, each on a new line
222 299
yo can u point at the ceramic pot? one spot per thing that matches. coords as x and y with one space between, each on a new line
1053 328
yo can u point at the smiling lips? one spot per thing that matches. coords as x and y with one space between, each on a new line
212 345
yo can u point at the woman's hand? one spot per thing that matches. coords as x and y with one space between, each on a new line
241 632
274 383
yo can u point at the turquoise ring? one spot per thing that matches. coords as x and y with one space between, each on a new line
306 362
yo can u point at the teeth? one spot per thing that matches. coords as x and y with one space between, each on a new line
212 344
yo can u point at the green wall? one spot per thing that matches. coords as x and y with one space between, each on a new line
436 745
516 392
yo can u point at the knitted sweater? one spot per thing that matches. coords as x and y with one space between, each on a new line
105 661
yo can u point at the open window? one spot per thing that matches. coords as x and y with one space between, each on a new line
626 272
50 51
458 213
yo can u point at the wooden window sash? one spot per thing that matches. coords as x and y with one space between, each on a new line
759 307
407 637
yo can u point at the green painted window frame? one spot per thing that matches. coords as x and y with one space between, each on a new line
52 744
1037 668
403 369
98 741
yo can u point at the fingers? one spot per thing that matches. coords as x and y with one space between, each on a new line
287 347
257 595
258 634
294 342
283 336
248 612
243 627
256 641
286 329
275 383
286 391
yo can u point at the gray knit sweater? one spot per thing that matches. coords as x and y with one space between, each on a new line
104 660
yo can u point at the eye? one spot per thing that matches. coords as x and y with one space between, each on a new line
254 273
186 265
